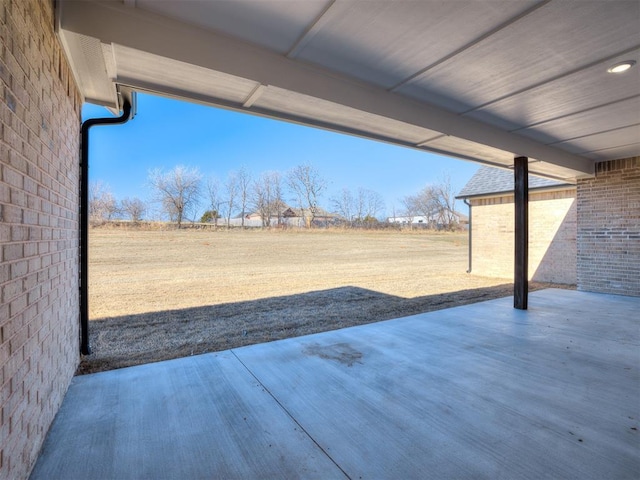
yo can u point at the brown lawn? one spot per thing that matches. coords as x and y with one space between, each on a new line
156 295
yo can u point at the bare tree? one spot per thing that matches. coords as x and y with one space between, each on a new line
278 195
262 198
344 205
267 197
102 204
214 192
447 203
434 202
374 204
409 209
178 191
307 185
231 197
360 208
134 208
244 191
422 205
360 204
394 217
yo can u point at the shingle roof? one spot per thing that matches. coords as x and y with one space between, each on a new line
488 180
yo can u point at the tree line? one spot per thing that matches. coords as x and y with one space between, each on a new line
104 207
182 193
434 203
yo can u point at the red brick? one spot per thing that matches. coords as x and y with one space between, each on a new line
11 214
552 223
39 123
13 251
608 227
19 269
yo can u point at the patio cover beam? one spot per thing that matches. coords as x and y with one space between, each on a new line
115 23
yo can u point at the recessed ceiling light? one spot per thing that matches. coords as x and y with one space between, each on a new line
621 67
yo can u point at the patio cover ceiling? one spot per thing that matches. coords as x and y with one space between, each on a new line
484 80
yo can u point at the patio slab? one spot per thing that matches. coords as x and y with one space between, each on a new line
479 391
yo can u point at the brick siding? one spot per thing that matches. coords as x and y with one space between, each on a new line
39 130
609 228
552 236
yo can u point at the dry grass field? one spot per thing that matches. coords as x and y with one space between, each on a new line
156 295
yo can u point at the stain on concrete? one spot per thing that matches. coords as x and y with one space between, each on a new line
339 352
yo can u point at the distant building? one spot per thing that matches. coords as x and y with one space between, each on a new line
287 216
433 220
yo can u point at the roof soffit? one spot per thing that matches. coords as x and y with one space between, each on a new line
266 70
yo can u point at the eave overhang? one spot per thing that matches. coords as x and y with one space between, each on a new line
113 47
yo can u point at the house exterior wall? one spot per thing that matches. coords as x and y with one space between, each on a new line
608 235
552 236
39 131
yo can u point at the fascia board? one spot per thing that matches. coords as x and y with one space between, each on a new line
502 193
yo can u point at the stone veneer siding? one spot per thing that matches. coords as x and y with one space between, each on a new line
609 228
39 173
552 236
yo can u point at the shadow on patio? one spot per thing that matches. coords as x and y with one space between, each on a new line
477 391
150 337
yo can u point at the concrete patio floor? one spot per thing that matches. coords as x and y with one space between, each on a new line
479 391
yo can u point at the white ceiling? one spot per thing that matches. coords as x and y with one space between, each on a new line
484 80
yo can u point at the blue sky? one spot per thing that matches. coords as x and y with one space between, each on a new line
167 132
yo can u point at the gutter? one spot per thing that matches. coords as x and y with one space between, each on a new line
500 193
466 202
85 348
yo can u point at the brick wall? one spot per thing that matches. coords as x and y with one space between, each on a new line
609 229
552 236
39 129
